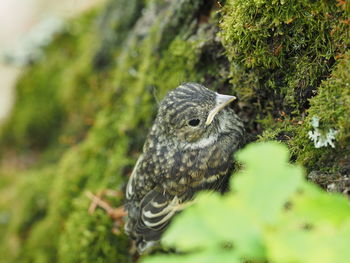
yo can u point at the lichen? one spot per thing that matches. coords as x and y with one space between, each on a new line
319 137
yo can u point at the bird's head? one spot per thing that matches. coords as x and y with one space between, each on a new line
192 112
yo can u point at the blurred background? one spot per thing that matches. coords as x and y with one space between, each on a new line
25 26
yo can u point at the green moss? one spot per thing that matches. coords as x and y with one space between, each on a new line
114 26
331 106
24 205
267 34
90 237
280 52
34 191
36 231
41 244
176 66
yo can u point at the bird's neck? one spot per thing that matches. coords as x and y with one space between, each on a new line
202 143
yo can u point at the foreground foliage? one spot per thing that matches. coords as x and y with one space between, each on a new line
271 214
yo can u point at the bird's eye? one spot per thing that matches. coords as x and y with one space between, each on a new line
194 122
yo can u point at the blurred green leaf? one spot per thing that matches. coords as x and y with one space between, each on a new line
210 222
317 207
268 181
207 256
194 229
300 244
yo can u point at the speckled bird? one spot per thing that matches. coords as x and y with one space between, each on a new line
188 149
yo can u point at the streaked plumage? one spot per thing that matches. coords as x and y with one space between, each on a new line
189 148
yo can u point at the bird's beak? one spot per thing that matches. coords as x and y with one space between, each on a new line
221 102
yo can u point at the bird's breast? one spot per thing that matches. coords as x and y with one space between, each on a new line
192 167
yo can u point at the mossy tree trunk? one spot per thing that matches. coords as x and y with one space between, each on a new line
87 105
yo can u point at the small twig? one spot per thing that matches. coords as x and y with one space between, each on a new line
114 213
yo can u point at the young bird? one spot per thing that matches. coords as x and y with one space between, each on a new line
189 148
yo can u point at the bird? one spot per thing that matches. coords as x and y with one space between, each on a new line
189 148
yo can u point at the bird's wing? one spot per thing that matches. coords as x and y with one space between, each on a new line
130 188
156 211
148 217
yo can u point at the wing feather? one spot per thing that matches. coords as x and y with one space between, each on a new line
131 183
156 211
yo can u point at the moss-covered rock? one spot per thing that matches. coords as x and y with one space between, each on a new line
87 105
331 106
280 52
